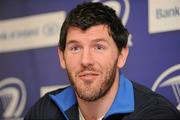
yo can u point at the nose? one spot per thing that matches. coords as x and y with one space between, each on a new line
86 58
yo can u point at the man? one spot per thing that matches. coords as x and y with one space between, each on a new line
93 48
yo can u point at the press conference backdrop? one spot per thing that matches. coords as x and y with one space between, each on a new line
29 33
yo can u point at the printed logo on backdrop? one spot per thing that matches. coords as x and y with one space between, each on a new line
169 79
164 15
12 98
30 32
50 29
122 9
42 30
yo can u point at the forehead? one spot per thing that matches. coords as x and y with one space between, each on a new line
94 32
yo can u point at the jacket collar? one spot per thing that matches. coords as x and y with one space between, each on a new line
123 102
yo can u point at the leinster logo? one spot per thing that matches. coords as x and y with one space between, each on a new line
12 98
169 81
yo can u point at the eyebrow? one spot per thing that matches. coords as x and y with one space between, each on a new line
72 41
99 40
94 41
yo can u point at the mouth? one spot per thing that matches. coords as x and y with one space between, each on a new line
88 76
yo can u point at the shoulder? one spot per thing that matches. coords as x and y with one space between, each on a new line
149 104
44 108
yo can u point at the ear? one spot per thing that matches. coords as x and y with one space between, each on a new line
61 59
122 57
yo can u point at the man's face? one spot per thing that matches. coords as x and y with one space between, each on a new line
91 58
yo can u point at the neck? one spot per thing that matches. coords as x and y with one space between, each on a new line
96 109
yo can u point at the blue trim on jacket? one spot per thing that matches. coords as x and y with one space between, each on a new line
123 102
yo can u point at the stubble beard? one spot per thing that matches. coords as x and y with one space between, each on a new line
89 93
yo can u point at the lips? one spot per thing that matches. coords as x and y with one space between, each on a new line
88 75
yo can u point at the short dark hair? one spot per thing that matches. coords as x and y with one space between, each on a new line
90 14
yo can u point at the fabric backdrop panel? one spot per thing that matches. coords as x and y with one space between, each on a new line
29 63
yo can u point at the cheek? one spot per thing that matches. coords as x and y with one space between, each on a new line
107 60
106 65
72 62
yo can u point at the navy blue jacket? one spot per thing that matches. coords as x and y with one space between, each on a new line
132 102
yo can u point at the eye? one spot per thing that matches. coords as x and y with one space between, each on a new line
74 48
99 47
